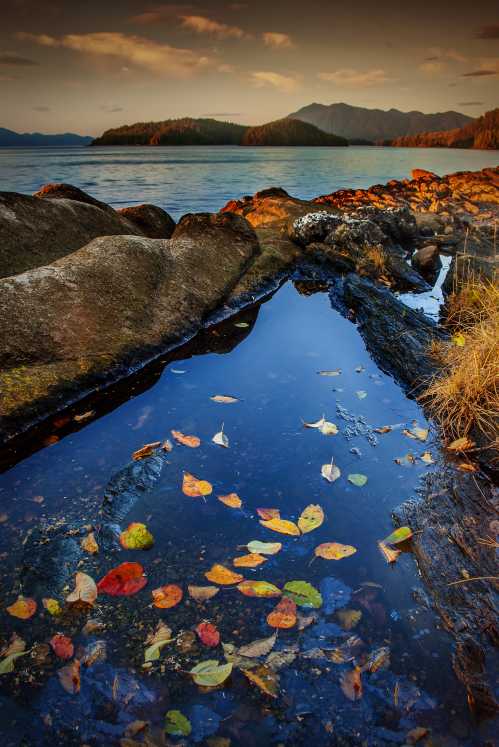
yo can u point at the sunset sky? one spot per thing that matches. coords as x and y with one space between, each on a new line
85 67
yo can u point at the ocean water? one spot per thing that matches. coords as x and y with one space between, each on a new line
193 179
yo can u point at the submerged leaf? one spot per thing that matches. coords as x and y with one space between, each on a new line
224 399
52 606
334 551
268 513
264 548
265 679
378 659
351 684
208 634
258 589
398 535
14 649
361 394
282 526
284 615
69 677
249 561
177 725
349 618
427 458
23 608
202 593
231 500
156 640
145 451
62 646
8 662
311 518
194 487
303 593
219 574
136 537
124 580
260 647
357 479
85 589
210 673
191 441
166 596
383 429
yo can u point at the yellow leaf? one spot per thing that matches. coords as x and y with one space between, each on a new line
258 589
231 500
334 551
459 340
264 548
421 434
281 525
210 673
136 537
461 444
249 561
265 679
349 618
268 513
89 544
195 488
219 574
52 606
224 399
145 451
330 472
23 608
311 518
192 441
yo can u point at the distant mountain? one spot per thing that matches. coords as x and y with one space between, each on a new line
188 131
359 124
11 138
289 132
481 133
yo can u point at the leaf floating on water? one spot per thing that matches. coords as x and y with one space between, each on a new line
249 561
52 606
94 652
85 589
136 537
357 479
89 544
383 429
145 451
241 325
361 394
461 444
84 416
330 472
265 679
14 649
303 593
268 513
427 458
398 535
202 593
191 441
231 500
155 641
259 589
195 488
311 518
351 684
208 634
390 554
7 663
167 596
167 445
62 646
378 659
23 608
333 372
123 581
405 460
260 647
421 434
210 673
334 551
264 548
279 659
414 735
177 725
284 615
349 618
224 399
324 426
283 526
219 574
221 439
69 677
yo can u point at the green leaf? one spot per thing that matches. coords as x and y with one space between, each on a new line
210 673
399 535
177 725
7 664
264 548
303 593
357 479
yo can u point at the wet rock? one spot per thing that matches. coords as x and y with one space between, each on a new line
50 558
399 224
313 227
62 191
152 221
428 224
423 174
337 260
427 261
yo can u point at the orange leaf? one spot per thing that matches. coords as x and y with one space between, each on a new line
281 525
231 500
23 608
268 513
85 589
166 596
219 574
334 551
259 589
195 488
192 441
284 615
389 553
202 593
252 560
89 544
69 677
208 634
145 451
62 646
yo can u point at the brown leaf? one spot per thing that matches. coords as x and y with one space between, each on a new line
265 679
192 441
69 677
351 684
145 451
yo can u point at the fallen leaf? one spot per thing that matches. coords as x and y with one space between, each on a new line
202 593
303 593
85 589
333 372
52 606
265 679
414 735
459 339
145 451
264 548
224 399
89 544
136 537
84 416
23 608
334 551
191 441
219 574
208 634
156 640
69 677
357 479
221 439
177 725
284 615
351 684
249 561
134 728
231 500
468 467
461 444
427 458
311 518
405 460
123 581
258 589
398 535
330 472
324 426
378 659
7 664
390 554
361 394
268 513
282 526
421 434
210 673
260 647
94 652
14 649
383 429
279 659
166 596
195 488
62 646
348 618
93 626
167 445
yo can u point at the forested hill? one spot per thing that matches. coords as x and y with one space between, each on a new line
482 134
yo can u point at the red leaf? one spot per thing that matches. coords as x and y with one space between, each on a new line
208 634
124 580
62 646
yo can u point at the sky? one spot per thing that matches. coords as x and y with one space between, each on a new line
85 67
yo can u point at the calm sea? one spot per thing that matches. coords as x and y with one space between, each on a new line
193 179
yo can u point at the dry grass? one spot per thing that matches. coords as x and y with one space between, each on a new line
375 256
465 395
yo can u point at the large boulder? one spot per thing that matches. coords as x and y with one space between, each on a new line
427 261
63 191
92 316
153 221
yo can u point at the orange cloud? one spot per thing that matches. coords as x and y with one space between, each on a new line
203 25
277 40
285 83
350 77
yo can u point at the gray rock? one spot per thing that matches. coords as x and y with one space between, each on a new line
153 221
313 226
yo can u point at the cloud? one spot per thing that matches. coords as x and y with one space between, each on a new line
160 59
42 109
479 73
471 103
350 77
111 108
277 40
488 32
285 83
432 68
225 68
10 58
452 55
203 25
159 14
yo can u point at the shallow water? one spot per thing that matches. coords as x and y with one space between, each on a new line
271 365
193 179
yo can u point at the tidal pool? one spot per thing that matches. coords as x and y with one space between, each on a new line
374 620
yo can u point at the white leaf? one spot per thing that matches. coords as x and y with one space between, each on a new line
330 472
221 439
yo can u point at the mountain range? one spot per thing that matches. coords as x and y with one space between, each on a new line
482 133
372 125
11 138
